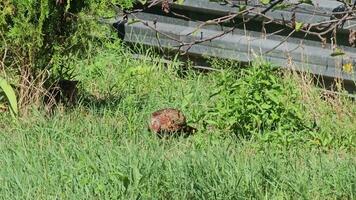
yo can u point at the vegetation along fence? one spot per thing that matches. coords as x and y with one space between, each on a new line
315 36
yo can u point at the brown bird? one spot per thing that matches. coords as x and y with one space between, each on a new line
168 122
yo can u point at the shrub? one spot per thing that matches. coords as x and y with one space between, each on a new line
42 39
255 100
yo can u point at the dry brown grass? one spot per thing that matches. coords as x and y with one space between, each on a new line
31 89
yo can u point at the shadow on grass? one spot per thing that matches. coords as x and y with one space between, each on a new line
88 100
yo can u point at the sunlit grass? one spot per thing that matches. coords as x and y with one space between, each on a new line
101 149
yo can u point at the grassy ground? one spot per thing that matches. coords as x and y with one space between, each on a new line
102 148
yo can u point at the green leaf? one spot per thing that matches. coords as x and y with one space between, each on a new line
143 2
10 95
282 6
310 2
265 2
337 52
266 106
180 2
298 26
242 8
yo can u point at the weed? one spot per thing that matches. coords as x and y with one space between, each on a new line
101 148
255 101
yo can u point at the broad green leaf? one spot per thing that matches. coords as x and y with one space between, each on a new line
10 95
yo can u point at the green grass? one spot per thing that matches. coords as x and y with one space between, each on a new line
86 157
102 149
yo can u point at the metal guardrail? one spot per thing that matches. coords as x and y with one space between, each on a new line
244 44
305 13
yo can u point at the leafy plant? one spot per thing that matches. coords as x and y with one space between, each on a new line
9 93
255 101
44 38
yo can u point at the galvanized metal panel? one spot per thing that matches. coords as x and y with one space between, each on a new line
304 13
244 45
312 59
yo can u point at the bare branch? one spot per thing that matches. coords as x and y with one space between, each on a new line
320 29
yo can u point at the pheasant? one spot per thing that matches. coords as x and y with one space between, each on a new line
168 122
